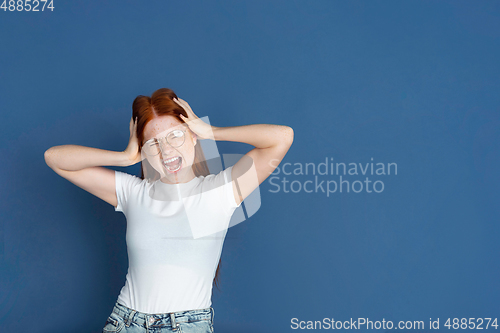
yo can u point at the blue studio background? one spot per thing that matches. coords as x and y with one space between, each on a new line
413 83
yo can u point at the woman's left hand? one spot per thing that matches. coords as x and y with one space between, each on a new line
198 126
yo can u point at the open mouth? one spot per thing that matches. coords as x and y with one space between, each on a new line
173 164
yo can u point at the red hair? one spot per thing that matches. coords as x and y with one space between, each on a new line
161 103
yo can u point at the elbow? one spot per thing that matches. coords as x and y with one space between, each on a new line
283 137
48 157
289 135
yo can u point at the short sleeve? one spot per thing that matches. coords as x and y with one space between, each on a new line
228 191
124 186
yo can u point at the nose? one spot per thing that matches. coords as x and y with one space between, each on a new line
165 148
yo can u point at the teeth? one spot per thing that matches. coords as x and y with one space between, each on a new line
172 169
171 159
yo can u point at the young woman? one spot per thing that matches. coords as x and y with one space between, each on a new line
177 212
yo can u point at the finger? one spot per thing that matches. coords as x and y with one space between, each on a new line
181 104
188 112
181 101
186 105
188 109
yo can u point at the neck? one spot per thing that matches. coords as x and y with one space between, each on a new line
178 179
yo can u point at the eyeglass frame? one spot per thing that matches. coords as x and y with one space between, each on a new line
165 137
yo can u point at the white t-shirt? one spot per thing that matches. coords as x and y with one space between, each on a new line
175 234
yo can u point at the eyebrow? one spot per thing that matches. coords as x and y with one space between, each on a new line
181 126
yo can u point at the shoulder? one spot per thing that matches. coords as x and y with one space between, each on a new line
224 188
219 179
128 180
127 186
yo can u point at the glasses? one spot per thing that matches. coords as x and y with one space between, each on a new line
175 139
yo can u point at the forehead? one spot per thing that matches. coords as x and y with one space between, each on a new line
161 126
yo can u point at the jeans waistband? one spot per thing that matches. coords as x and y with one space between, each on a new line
170 319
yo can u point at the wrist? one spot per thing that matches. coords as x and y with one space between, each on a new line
125 159
217 131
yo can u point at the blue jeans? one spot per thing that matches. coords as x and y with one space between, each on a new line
124 319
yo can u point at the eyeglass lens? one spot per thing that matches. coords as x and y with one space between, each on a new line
174 138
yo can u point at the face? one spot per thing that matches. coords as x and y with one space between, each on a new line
174 164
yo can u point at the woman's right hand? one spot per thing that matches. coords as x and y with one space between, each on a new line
132 150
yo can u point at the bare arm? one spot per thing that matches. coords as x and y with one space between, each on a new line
83 166
271 142
74 158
